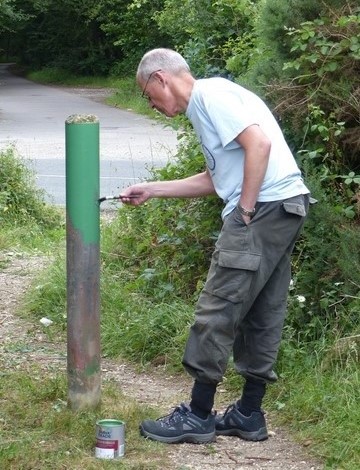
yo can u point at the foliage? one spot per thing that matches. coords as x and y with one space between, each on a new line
271 42
10 16
21 202
326 63
66 24
84 37
208 33
173 237
131 28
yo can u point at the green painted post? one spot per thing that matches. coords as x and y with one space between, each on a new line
83 261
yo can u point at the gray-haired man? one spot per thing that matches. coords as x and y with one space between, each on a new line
242 307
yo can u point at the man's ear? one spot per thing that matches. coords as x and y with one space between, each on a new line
160 76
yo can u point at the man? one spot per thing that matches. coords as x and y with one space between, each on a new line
242 307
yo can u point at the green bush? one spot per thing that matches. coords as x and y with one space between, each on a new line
21 202
325 271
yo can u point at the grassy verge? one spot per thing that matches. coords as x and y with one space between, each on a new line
321 407
38 431
145 320
316 397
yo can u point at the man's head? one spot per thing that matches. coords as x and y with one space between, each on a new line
166 81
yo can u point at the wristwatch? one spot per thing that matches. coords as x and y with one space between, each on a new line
244 211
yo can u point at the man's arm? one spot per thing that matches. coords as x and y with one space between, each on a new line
257 150
193 186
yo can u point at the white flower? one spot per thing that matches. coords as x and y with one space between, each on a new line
301 299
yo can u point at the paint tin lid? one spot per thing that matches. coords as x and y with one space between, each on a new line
110 422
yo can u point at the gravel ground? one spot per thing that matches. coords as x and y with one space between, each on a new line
22 343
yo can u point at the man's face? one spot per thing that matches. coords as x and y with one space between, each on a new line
157 90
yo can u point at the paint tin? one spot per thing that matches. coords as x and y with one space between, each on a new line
110 439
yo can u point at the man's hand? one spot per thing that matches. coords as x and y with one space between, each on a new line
136 194
246 219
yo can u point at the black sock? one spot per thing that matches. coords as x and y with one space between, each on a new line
252 396
202 399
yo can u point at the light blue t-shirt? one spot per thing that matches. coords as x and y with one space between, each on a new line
219 111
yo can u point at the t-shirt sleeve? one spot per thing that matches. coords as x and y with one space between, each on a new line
229 115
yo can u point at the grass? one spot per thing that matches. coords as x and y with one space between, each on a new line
322 410
27 223
40 432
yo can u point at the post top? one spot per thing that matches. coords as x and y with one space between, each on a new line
82 119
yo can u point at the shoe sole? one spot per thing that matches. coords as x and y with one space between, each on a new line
259 435
191 438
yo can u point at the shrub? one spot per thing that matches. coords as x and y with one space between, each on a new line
21 202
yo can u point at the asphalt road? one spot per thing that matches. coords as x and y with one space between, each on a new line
32 118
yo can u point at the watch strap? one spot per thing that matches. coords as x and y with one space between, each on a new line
249 213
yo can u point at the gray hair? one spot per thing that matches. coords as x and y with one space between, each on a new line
161 59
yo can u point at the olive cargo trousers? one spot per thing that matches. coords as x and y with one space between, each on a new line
242 307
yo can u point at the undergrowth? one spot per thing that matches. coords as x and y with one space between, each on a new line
26 220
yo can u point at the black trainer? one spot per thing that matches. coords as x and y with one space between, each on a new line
234 423
180 426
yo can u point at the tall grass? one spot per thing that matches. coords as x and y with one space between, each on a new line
38 431
317 397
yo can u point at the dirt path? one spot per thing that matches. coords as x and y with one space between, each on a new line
22 343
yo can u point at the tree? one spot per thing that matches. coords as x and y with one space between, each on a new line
207 32
131 29
12 20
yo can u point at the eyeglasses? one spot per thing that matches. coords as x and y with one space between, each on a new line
143 95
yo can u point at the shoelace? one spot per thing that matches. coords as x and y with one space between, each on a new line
174 415
228 409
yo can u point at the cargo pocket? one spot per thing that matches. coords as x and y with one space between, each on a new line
295 206
231 275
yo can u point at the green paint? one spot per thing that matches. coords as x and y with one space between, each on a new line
92 368
82 176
